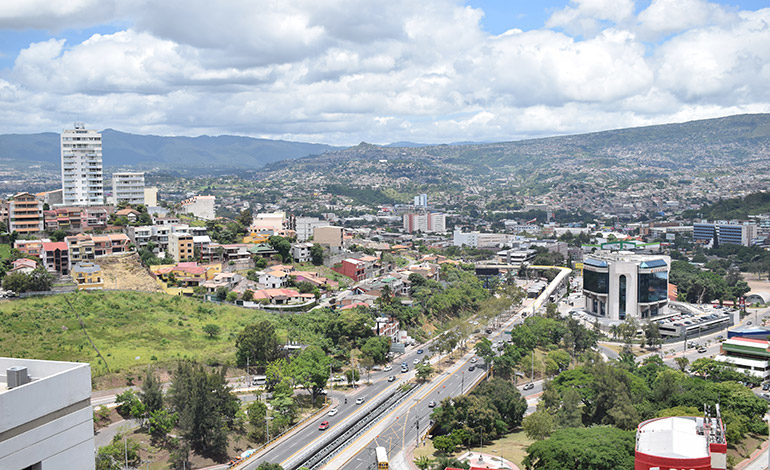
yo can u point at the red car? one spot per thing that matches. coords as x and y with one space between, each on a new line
323 426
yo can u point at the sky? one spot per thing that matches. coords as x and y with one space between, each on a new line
345 71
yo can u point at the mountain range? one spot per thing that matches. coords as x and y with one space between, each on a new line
704 144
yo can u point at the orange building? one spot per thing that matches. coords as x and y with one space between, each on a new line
25 214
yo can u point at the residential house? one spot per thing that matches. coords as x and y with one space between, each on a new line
331 238
300 252
25 214
55 257
87 276
81 248
181 247
282 296
23 265
130 214
30 247
273 278
188 274
353 268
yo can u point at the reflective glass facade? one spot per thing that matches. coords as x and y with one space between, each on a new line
596 282
653 287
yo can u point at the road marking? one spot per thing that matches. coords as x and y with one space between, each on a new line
283 464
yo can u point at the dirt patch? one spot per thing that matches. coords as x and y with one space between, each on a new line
126 272
104 416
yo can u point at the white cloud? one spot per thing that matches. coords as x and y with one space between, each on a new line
53 15
344 71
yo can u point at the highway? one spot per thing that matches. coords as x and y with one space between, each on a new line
293 450
403 425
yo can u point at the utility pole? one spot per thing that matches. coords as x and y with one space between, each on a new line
125 450
532 377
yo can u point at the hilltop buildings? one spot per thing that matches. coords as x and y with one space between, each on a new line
81 166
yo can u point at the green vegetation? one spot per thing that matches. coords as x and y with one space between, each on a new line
365 195
36 281
739 208
594 448
700 286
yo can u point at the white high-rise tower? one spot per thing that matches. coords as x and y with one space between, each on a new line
81 167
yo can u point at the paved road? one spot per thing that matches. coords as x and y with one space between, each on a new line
292 447
408 423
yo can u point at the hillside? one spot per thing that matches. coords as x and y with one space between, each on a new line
697 145
122 149
739 208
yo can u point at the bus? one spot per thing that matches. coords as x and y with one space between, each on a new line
382 458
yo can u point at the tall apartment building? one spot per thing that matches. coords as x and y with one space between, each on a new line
81 167
181 246
725 233
128 186
25 214
428 222
421 200
306 225
47 420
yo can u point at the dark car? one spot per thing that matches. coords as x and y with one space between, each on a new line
471 368
420 351
432 404
323 426
766 386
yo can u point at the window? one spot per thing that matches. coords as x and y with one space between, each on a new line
622 297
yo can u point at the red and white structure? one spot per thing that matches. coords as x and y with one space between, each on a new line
681 442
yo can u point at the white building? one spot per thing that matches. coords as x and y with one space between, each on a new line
151 196
428 222
421 200
128 187
46 419
621 285
305 226
201 207
81 167
300 252
269 222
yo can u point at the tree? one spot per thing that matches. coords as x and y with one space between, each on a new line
539 425
484 350
424 372
248 295
317 254
221 293
444 444
423 462
594 448
58 235
652 335
160 423
231 296
570 414
682 362
258 343
129 404
281 245
205 406
212 330
151 393
114 455
257 412
269 466
245 217
377 348
310 369
352 376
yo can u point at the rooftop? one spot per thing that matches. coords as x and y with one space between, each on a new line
680 437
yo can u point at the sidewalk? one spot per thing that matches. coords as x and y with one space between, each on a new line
757 461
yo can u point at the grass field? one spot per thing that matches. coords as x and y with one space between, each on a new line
129 328
5 250
512 447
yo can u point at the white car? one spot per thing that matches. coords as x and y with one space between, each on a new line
474 360
360 400
333 412
388 368
416 360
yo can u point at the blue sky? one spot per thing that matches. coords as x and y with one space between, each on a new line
344 71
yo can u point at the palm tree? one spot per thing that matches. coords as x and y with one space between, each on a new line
424 462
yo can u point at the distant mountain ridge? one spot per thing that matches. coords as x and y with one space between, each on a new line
121 149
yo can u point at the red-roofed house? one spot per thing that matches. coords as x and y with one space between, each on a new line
55 256
23 265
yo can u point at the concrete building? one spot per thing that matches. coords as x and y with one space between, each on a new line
47 420
747 354
25 214
329 237
725 233
691 442
620 285
52 198
300 252
151 196
421 200
201 207
81 166
306 225
129 187
55 257
269 222
428 222
181 246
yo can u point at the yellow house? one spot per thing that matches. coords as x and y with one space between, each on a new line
87 276
255 237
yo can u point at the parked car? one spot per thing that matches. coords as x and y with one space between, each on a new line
333 412
323 426
766 386
701 350
416 361
474 360
432 404
471 368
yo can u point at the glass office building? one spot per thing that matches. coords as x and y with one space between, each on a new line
623 285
